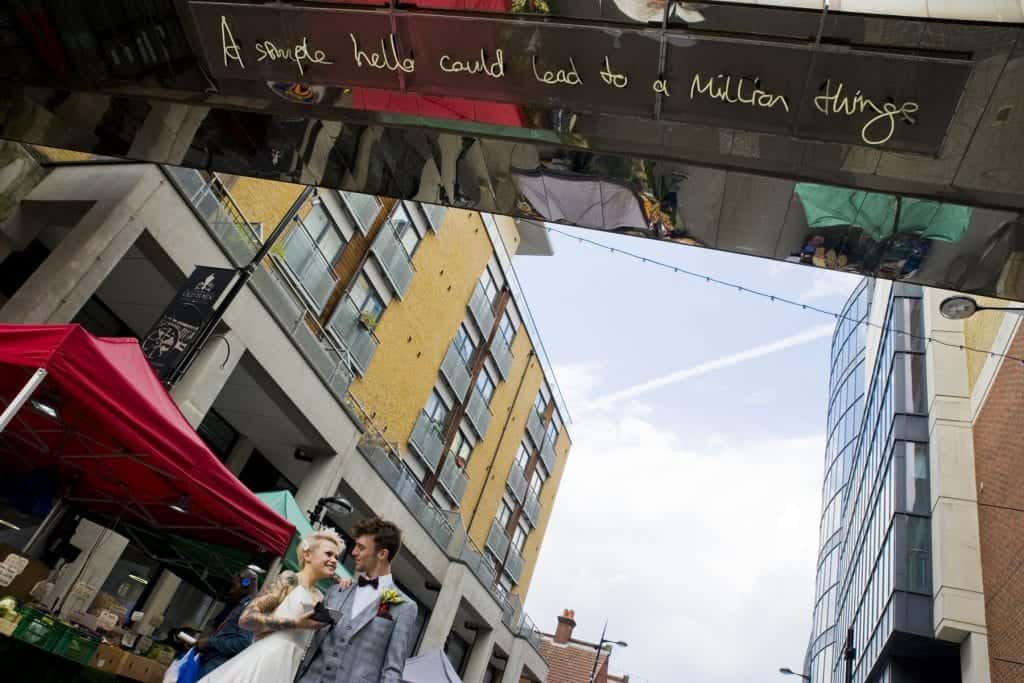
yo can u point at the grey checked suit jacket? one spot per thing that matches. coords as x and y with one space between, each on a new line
369 649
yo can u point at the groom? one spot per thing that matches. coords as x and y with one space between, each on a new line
374 620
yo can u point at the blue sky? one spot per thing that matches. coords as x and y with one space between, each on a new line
688 512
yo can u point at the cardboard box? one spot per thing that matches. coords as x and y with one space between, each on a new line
137 668
108 658
7 627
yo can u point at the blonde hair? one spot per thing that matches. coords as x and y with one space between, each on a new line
313 540
275 592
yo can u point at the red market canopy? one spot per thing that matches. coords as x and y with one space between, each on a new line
118 441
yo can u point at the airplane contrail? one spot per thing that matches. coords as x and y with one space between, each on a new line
718 364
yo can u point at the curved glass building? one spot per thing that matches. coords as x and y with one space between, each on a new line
845 409
874 577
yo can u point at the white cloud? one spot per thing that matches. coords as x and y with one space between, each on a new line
699 549
828 284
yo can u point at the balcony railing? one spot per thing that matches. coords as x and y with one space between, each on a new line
403 483
502 355
478 412
445 527
214 205
531 508
497 540
453 367
517 482
535 426
393 259
310 268
547 455
364 209
435 215
279 294
529 630
453 479
346 322
480 307
426 440
514 564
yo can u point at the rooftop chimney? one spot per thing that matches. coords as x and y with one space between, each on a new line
566 623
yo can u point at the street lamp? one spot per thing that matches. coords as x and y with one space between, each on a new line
600 647
789 672
337 502
963 307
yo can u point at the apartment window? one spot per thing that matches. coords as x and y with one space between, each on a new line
506 584
504 511
367 301
464 344
507 328
552 433
491 560
540 404
489 285
519 536
364 209
311 250
485 384
461 448
537 480
404 229
436 410
522 456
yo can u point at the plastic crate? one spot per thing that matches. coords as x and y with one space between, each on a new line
76 646
39 629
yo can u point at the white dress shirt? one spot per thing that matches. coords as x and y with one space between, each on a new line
368 595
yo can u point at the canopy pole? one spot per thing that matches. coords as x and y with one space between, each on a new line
22 398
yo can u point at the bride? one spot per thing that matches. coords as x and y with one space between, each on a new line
282 617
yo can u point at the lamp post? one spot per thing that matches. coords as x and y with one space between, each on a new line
963 307
600 647
789 672
317 515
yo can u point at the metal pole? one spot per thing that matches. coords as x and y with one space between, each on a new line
849 653
597 657
244 275
22 398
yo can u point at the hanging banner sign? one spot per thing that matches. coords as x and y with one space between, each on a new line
874 99
172 335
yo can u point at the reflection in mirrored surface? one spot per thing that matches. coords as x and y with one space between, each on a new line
929 195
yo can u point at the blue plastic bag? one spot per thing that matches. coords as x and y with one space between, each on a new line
188 672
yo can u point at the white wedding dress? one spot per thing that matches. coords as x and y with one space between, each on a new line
274 658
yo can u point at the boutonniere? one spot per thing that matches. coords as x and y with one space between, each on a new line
388 598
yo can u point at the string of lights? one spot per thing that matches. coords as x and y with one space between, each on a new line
778 299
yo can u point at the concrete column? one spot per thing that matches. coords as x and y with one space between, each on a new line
958 592
325 474
479 656
159 599
81 262
516 661
974 659
446 609
239 455
167 132
199 388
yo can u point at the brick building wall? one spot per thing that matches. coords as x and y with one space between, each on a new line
999 468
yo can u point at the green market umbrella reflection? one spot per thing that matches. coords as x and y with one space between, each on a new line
882 216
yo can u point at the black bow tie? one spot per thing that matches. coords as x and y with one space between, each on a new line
363 581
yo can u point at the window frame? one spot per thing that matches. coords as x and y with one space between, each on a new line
485 378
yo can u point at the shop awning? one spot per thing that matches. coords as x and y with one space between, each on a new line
283 503
122 448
